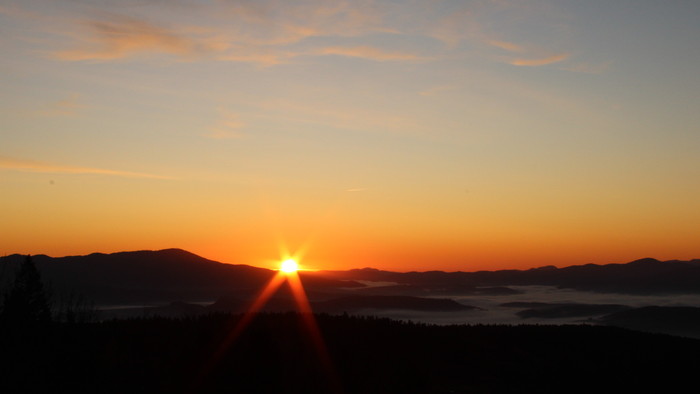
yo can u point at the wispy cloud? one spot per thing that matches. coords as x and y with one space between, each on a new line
260 32
588 68
228 127
536 56
16 12
435 90
51 168
265 57
540 61
343 118
493 25
459 25
371 53
274 22
274 32
69 106
508 46
121 37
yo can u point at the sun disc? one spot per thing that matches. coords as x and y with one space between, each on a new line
289 266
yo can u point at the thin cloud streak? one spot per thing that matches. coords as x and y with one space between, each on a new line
264 58
507 46
67 107
541 61
229 127
17 12
435 90
50 168
371 53
540 56
346 118
588 68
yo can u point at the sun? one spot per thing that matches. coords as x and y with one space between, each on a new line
289 266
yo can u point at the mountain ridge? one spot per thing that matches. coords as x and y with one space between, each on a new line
176 274
148 276
178 252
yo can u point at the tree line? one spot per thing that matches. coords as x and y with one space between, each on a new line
29 303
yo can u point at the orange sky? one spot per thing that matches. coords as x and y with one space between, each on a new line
460 136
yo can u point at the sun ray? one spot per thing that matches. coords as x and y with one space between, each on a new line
313 330
264 296
259 302
288 272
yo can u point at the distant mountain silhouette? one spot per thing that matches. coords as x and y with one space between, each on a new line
644 276
151 276
163 276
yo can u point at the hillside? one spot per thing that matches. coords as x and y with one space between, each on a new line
154 276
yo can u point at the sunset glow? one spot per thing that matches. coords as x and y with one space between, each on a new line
459 135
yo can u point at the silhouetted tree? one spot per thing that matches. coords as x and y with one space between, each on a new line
26 303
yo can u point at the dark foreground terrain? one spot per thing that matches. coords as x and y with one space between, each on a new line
368 355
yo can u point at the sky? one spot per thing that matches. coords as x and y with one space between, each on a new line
401 135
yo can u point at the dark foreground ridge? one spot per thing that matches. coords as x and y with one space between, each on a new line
369 355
